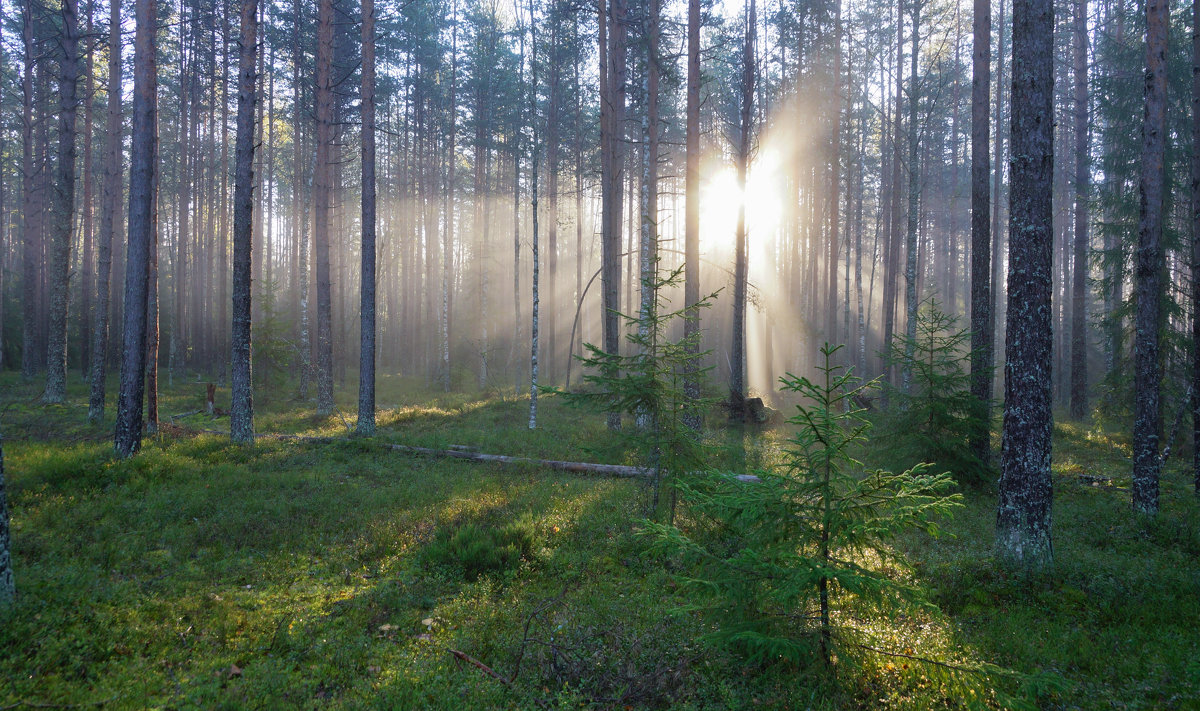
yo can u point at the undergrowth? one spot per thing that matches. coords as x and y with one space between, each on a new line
298 574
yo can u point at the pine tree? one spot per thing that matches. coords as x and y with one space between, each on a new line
652 384
773 561
935 420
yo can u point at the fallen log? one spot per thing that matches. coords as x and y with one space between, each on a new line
458 451
616 470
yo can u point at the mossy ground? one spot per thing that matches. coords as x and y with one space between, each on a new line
317 575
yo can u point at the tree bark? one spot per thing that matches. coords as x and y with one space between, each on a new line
86 314
31 254
109 208
612 107
241 411
63 207
1147 423
914 201
648 244
128 437
321 189
981 242
1195 190
1082 177
8 589
1023 516
366 371
691 240
737 368
533 189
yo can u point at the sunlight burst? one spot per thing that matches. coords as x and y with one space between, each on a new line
720 196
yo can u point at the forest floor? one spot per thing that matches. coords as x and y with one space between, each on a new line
297 574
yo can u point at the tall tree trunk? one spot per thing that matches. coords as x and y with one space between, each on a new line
533 190
737 368
321 188
152 306
613 66
648 246
914 201
88 257
553 108
241 411
1079 276
835 184
691 241
1147 423
31 254
108 216
997 184
128 437
63 208
981 243
366 370
1023 516
448 208
891 271
1195 190
8 589
300 232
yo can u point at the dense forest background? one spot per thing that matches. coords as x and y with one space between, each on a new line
859 135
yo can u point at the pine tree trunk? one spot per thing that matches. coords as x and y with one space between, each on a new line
241 411
152 307
86 313
1023 517
835 184
1079 379
914 201
109 208
128 437
737 367
648 244
1147 423
63 208
997 284
981 243
366 372
321 190
533 189
553 108
448 210
31 254
8 589
613 68
691 258
1195 196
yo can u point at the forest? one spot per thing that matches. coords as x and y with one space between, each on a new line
619 354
